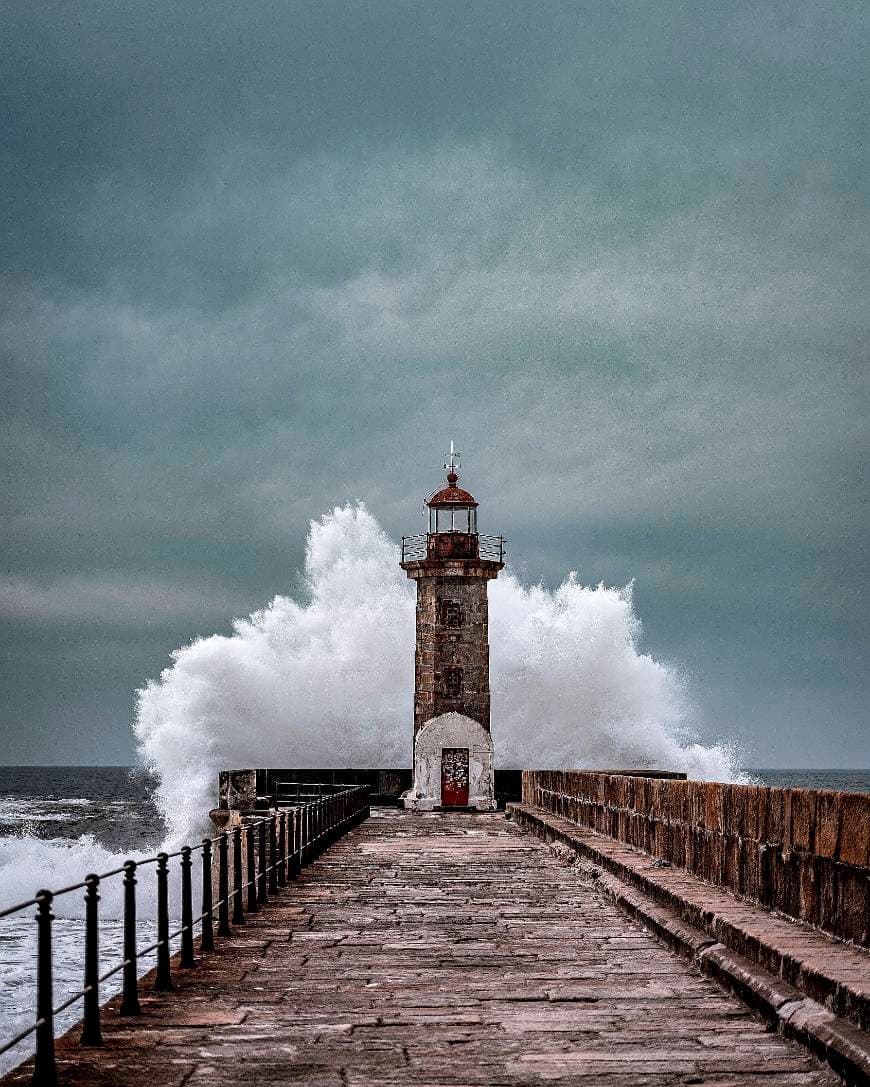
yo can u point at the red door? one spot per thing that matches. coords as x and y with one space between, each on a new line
454 777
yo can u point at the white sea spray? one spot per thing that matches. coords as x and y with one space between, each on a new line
327 681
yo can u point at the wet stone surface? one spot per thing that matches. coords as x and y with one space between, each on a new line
439 949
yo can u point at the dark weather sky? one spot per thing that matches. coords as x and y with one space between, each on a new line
261 258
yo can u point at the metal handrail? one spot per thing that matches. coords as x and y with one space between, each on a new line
295 836
19 906
491 548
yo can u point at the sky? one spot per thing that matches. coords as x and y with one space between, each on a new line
261 259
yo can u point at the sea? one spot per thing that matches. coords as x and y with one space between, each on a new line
96 816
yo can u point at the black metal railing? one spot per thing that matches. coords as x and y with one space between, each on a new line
293 793
491 547
416 548
284 842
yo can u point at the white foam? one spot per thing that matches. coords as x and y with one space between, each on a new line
19 811
18 982
328 681
30 864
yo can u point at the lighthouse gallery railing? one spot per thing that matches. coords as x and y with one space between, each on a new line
416 548
277 846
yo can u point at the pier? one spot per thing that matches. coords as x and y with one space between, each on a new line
463 948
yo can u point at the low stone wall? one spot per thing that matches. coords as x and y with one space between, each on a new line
803 852
241 788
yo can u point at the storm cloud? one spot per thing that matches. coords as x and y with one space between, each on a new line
261 259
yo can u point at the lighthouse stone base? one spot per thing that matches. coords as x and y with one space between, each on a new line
453 765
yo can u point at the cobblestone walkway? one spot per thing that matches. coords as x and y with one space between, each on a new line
442 949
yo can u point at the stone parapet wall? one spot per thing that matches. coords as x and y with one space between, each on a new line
803 852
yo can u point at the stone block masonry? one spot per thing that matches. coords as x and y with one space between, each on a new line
802 852
460 648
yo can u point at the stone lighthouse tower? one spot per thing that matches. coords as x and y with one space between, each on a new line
452 563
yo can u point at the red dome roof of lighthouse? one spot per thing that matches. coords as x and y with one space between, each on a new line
451 495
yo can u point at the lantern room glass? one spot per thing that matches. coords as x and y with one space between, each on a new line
453 519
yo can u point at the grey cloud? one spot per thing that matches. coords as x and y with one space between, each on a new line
259 261
110 602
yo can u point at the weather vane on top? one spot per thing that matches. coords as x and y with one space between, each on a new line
454 462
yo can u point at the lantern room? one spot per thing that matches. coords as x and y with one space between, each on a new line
452 509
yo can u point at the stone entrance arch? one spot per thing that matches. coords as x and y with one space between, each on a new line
452 732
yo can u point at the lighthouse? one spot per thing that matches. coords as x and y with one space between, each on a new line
452 564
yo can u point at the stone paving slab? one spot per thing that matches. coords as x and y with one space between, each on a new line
835 973
444 949
659 904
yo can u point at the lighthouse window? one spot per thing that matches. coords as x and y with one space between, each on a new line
451 613
454 519
452 682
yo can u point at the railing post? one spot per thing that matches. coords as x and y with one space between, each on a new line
238 900
291 844
294 842
187 959
163 978
262 892
282 849
293 848
206 942
91 1032
44 1070
273 854
223 886
130 996
252 869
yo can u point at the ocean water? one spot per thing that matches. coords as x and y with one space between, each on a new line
114 804
847 781
84 818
